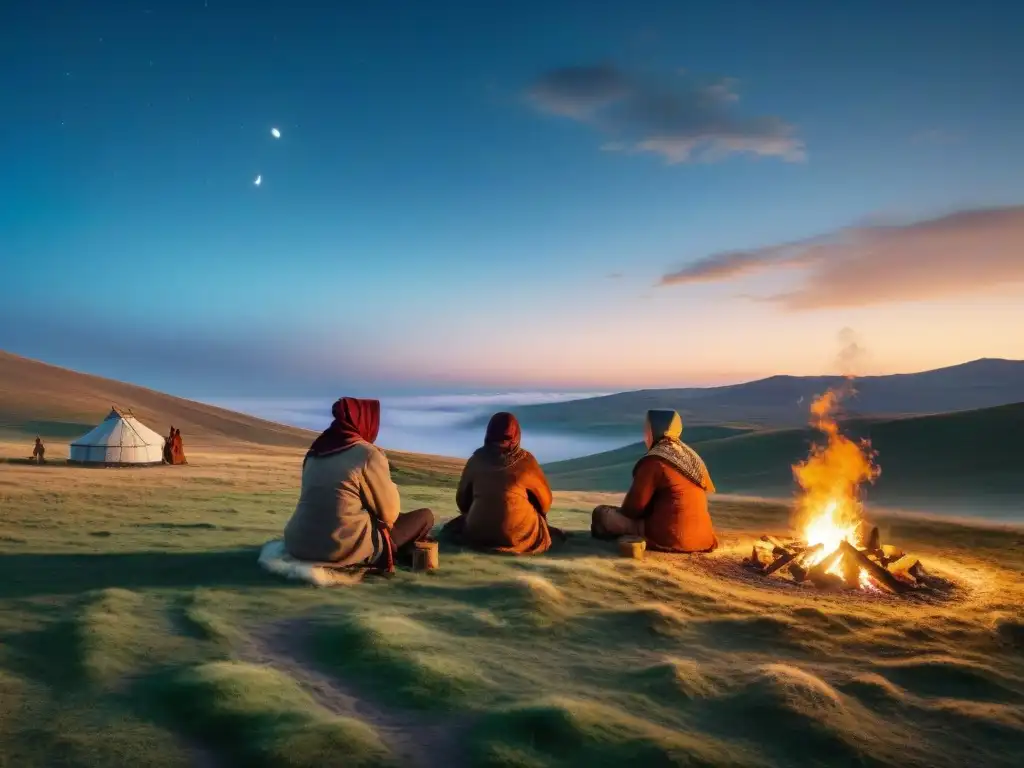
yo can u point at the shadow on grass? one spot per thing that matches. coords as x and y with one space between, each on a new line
31 575
578 543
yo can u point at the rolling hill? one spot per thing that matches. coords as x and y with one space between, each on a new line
945 460
60 405
781 401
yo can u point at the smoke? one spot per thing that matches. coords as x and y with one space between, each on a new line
853 356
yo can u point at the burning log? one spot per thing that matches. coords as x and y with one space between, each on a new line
851 572
777 547
875 571
825 565
809 553
784 559
873 540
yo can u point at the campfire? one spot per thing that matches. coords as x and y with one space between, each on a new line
835 548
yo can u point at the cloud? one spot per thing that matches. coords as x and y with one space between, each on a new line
963 252
682 118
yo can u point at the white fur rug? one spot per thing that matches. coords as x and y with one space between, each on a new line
274 559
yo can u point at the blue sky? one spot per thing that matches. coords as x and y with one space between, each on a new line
460 198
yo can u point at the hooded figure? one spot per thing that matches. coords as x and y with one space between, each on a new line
39 451
169 447
503 496
348 509
178 449
667 502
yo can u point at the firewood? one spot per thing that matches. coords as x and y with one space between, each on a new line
778 548
877 572
764 549
825 565
771 540
892 553
808 553
752 560
798 572
851 573
874 542
781 560
902 563
760 557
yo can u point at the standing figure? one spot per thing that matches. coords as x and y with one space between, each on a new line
169 447
39 452
178 449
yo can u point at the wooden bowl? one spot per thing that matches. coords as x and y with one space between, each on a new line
632 547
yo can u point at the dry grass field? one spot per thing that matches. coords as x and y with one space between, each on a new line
137 629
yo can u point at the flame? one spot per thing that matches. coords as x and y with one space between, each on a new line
828 507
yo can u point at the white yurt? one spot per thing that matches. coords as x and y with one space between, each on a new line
119 440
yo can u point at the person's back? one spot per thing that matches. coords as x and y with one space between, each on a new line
348 508
506 505
676 517
503 495
331 522
667 502
178 448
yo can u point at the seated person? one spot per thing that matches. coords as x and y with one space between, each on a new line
503 496
348 510
667 504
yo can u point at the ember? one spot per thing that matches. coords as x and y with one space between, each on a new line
836 549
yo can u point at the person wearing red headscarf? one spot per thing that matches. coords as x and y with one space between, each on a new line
503 496
348 509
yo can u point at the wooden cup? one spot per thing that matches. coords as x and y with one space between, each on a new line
424 556
632 547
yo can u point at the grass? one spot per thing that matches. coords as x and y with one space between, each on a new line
136 628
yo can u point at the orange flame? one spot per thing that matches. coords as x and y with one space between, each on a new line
828 507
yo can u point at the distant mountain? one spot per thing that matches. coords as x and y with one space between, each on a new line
783 401
952 459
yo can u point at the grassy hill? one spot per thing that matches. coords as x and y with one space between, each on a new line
969 457
781 401
60 405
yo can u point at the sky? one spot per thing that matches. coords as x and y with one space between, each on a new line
488 197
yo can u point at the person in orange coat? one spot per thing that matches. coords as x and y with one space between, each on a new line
178 449
667 503
503 496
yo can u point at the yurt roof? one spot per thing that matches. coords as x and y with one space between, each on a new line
120 427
